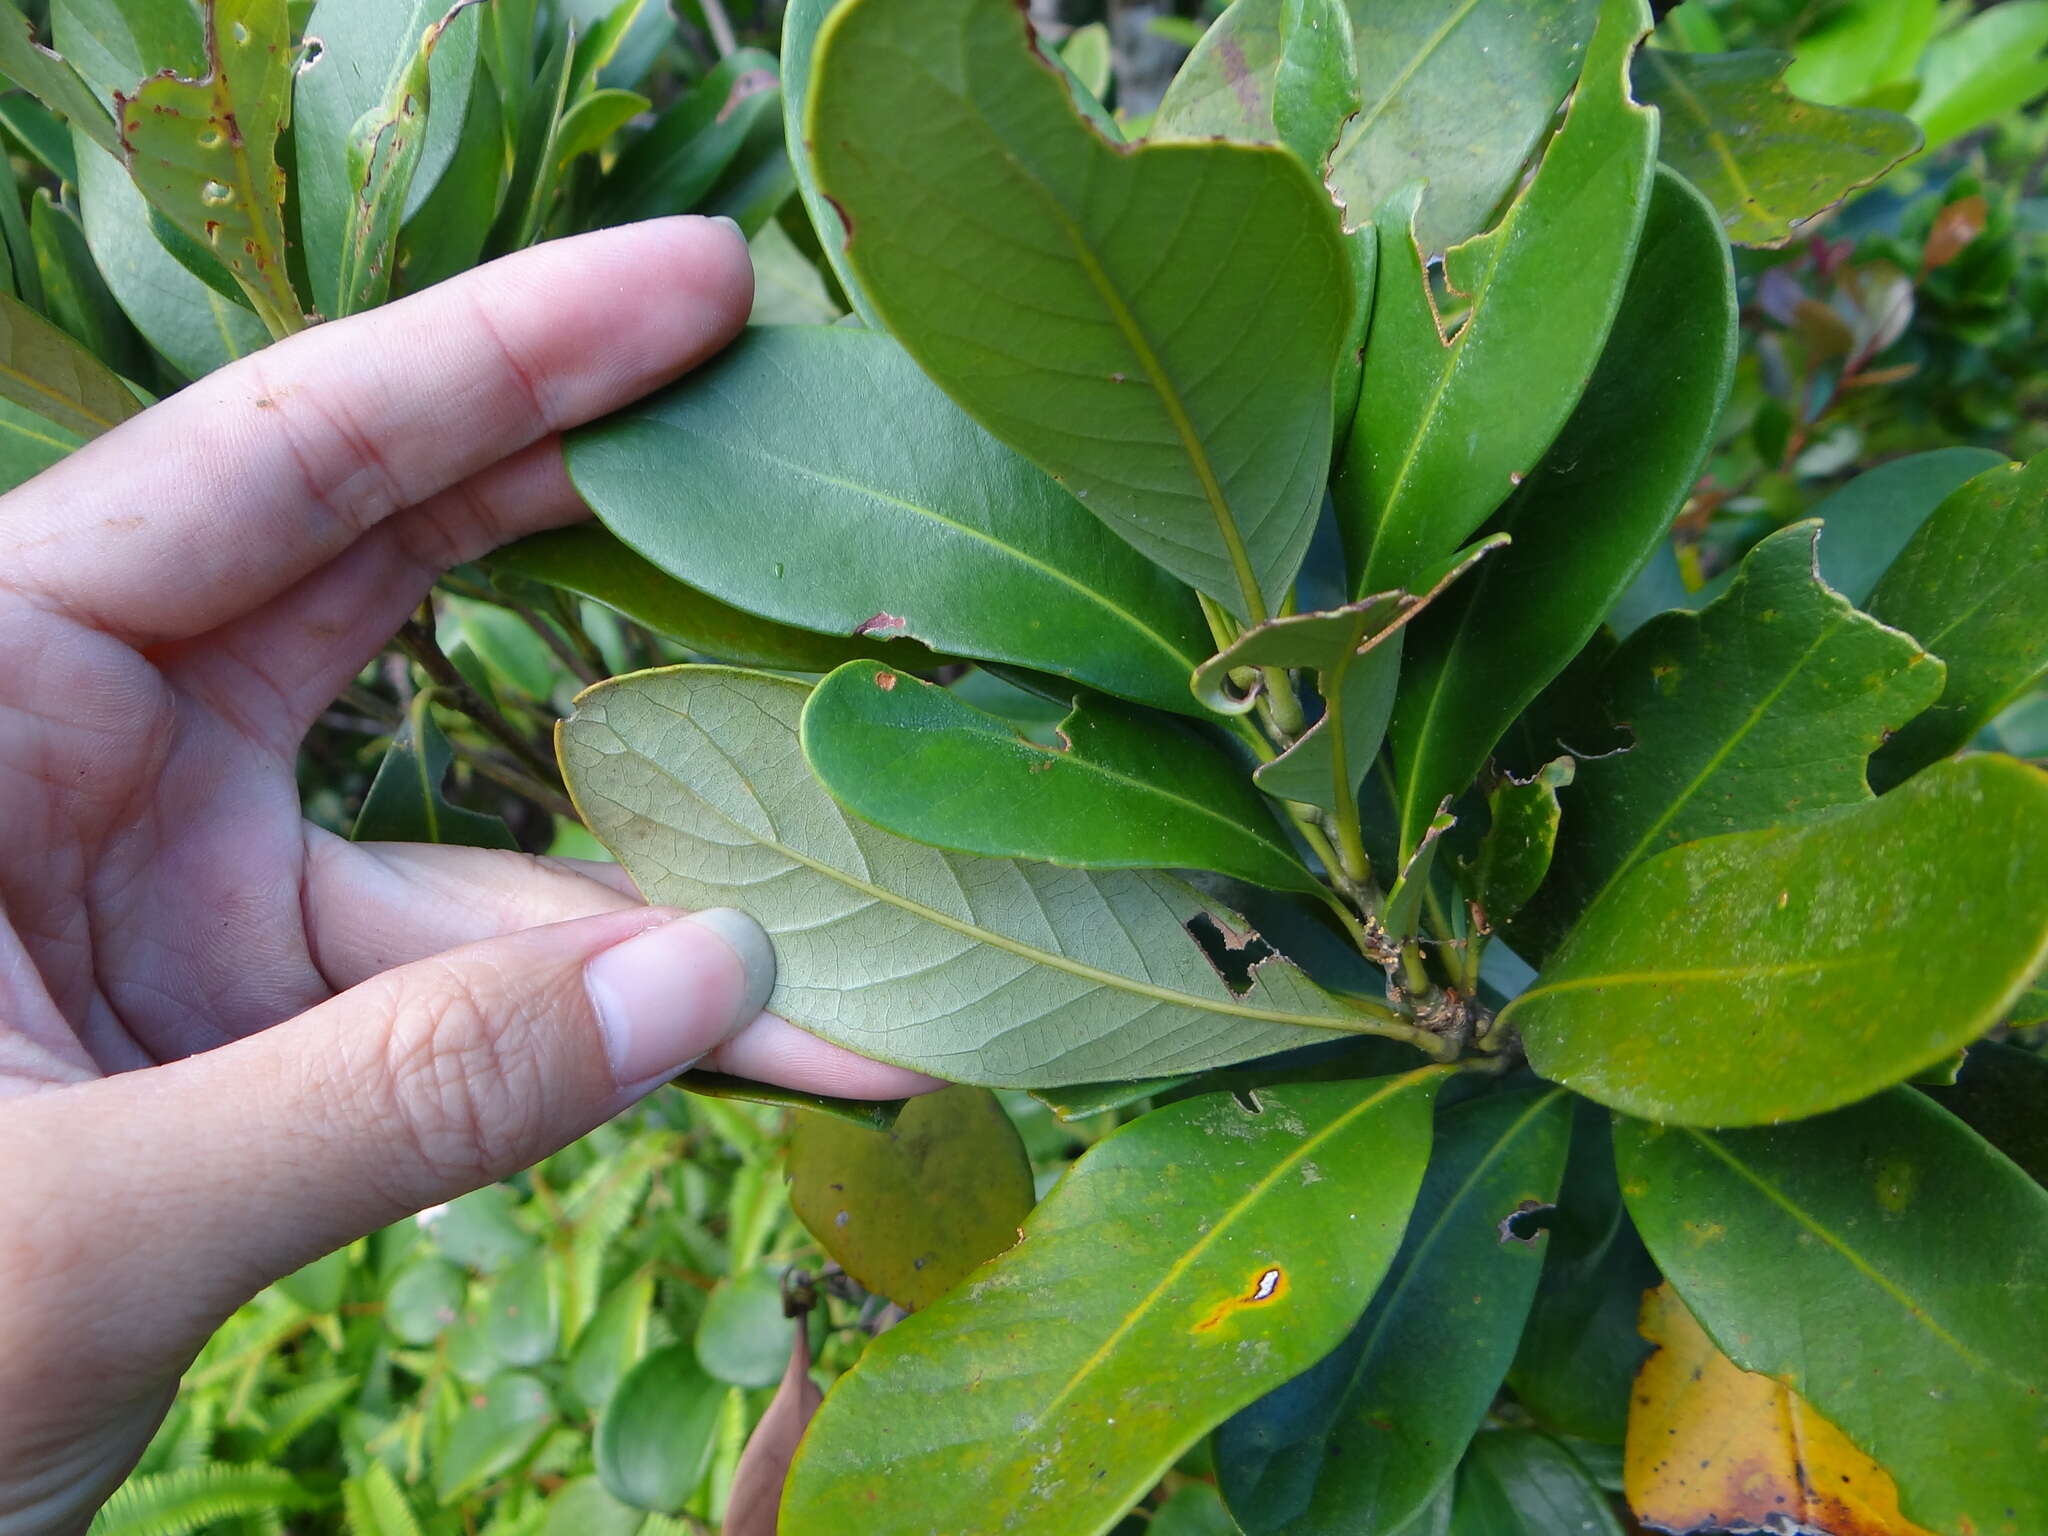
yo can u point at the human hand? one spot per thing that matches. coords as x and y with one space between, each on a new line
180 599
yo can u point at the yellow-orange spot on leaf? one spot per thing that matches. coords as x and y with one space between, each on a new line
1268 1285
886 681
1713 1447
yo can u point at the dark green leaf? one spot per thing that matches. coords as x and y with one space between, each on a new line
655 1438
1757 711
2002 1094
669 168
1868 521
1766 160
1123 789
443 232
912 1210
742 1336
1584 523
613 1339
1884 1243
29 444
695 779
1315 85
523 1311
1580 1347
495 1431
1514 855
405 803
51 80
1766 975
74 294
1514 1483
833 488
1448 424
46 372
801 21
1361 1443
1191 1261
874 1114
1159 327
1972 586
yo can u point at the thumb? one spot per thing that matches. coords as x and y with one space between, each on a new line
201 1181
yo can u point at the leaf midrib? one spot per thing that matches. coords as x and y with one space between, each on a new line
1689 98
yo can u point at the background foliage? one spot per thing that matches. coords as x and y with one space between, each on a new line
592 1347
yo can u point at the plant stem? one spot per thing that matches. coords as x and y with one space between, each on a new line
722 37
506 777
417 641
578 665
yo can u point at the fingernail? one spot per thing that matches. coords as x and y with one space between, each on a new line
666 996
731 224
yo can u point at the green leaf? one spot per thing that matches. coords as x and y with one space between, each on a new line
590 124
496 1430
376 1506
1580 1348
1448 424
742 1336
49 78
320 1285
443 232
29 444
44 135
355 134
1767 161
1224 88
2000 1094
1860 45
1870 520
911 1211
833 488
1767 975
873 1114
1087 53
788 287
1179 384
1458 93
655 1438
1356 669
1315 85
801 21
479 1230
45 371
584 1508
1009 974
204 150
1196 1510
1972 586
530 192
1515 1483
1514 855
425 1301
523 1311
75 296
592 563
1361 1442
385 147
1757 711
611 1341
405 803
669 168
1123 789
190 1499
1829 1255
1194 1259
1994 63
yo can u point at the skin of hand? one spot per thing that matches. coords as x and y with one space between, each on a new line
231 1042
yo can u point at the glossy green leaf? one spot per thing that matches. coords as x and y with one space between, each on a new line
1122 789
1315 85
1758 710
801 20
1972 586
1869 521
656 1435
2001 1093
911 1211
49 77
1010 974
1515 1483
610 1343
1766 160
385 147
669 168
496 1430
1362 1442
742 1336
1355 653
1457 95
115 44
593 563
1580 1348
1158 327
45 371
204 150
1448 424
1514 855
1858 45
833 488
1767 975
523 1311
1992 63
355 133
405 803
1196 1258
1883 1243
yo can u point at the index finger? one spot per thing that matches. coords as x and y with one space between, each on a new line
223 495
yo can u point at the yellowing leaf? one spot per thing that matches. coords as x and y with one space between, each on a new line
204 151
1714 1447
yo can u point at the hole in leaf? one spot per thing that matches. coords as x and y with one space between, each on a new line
1232 953
1527 1222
